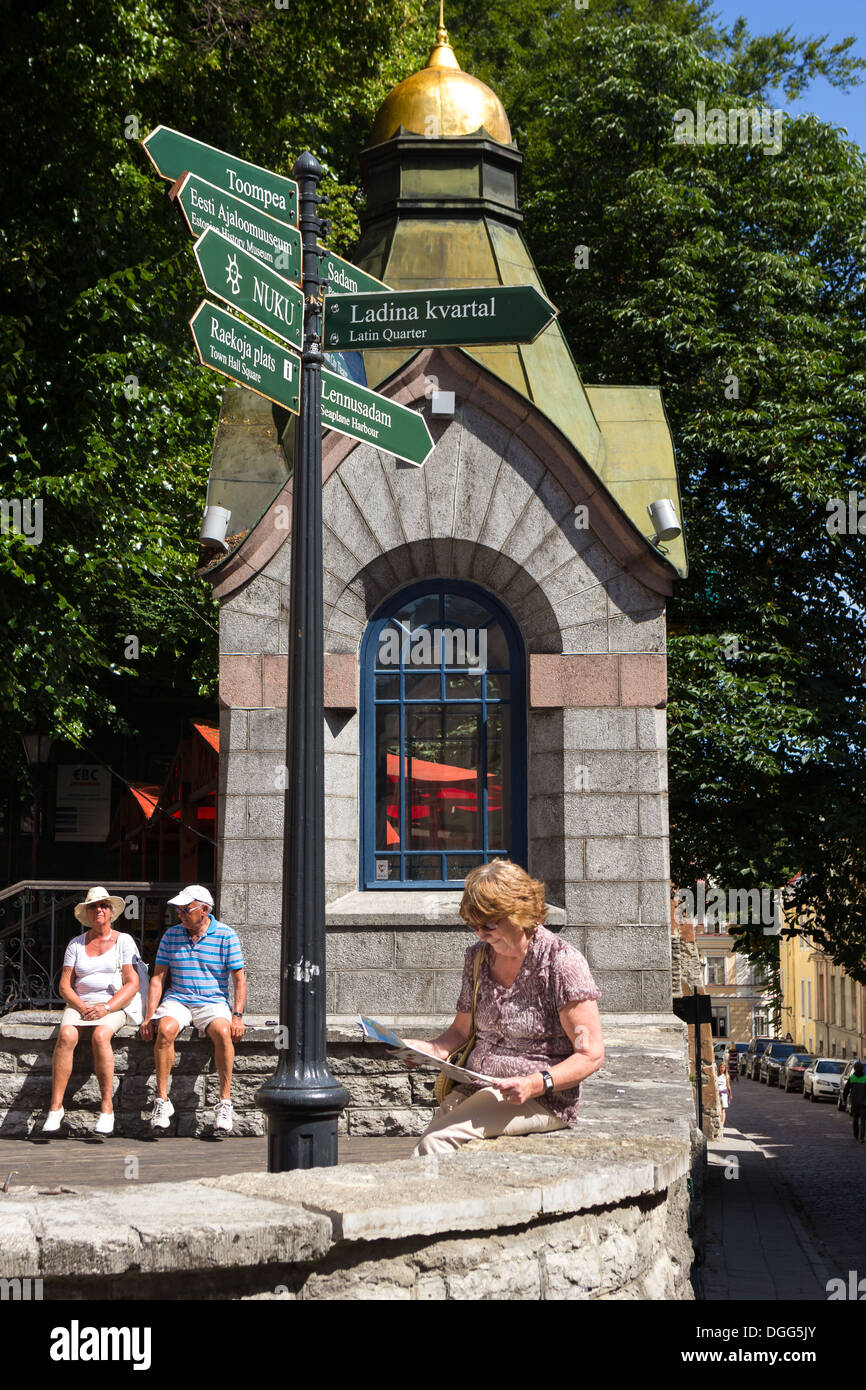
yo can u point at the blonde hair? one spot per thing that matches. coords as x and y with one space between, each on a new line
502 889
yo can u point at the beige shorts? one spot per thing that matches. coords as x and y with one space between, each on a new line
198 1016
116 1019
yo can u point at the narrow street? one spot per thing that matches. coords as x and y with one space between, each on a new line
784 1199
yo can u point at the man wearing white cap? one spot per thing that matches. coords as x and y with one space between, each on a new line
201 953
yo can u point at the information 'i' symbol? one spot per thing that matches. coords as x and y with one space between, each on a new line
233 275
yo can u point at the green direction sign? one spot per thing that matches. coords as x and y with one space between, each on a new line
341 277
240 352
436 318
204 205
173 154
363 414
247 284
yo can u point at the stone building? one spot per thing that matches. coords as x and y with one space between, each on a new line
495 670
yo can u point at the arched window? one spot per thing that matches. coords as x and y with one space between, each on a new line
443 737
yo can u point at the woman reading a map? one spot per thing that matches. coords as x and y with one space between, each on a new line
536 1026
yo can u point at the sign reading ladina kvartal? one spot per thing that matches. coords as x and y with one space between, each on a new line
437 318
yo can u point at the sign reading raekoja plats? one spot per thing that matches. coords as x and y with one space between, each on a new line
228 345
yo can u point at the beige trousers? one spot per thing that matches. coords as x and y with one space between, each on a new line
483 1115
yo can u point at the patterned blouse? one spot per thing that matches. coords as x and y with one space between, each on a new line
518 1028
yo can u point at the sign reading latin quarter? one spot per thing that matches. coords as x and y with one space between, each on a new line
173 154
248 284
204 205
246 356
363 414
437 318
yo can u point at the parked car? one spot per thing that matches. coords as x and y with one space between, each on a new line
752 1052
822 1078
791 1078
720 1051
773 1058
849 1067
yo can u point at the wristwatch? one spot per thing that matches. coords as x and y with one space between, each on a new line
548 1082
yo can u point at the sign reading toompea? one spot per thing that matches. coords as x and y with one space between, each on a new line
173 154
204 205
240 352
248 284
437 318
363 414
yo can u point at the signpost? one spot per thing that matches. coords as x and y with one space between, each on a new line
173 154
341 277
204 205
436 318
364 414
244 355
248 284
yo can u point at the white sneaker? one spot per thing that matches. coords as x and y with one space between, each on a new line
52 1124
161 1113
105 1124
224 1117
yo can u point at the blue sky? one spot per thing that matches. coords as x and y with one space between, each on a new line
838 19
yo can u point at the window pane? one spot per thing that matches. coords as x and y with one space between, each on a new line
498 687
497 648
387 783
462 687
442 744
465 611
423 866
387 687
423 687
389 647
460 864
498 776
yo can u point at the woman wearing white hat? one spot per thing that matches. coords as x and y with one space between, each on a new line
100 985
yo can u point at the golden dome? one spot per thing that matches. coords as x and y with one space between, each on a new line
441 101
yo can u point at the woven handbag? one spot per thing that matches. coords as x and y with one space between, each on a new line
459 1057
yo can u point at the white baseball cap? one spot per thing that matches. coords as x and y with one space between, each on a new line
194 894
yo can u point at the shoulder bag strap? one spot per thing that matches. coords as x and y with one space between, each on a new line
476 978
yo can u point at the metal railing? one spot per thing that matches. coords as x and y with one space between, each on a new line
37 921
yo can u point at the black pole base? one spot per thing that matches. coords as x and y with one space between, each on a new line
302 1123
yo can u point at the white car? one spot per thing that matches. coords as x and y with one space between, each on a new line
822 1078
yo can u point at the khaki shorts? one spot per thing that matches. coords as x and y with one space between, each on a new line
118 1018
198 1016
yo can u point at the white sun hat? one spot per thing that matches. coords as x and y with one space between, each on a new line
98 895
194 894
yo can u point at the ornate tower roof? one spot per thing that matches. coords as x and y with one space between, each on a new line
441 101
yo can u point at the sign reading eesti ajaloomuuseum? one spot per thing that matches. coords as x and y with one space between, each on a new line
173 154
363 414
204 205
240 352
437 318
341 277
249 285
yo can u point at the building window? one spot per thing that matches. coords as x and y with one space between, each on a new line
716 972
720 1021
443 738
809 999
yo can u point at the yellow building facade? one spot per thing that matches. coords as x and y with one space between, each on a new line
822 1006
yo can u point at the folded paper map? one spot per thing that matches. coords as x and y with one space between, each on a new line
376 1033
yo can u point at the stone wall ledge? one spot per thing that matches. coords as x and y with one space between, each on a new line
408 907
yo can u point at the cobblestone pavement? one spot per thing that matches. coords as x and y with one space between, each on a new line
112 1162
784 1208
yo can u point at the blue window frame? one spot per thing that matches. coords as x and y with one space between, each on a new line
443 737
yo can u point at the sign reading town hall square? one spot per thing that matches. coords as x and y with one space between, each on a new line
248 284
437 318
244 355
204 205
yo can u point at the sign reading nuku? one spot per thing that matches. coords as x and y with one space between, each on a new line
437 318
228 345
173 153
204 205
250 286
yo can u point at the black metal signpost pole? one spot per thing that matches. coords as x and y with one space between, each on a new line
302 1100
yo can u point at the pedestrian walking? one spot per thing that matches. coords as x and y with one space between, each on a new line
723 1086
855 1087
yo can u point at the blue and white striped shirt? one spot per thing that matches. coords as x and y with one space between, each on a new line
200 972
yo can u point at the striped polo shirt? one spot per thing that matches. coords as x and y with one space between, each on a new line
200 971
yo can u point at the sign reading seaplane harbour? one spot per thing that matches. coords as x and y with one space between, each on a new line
363 414
204 205
248 284
437 318
240 352
173 154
